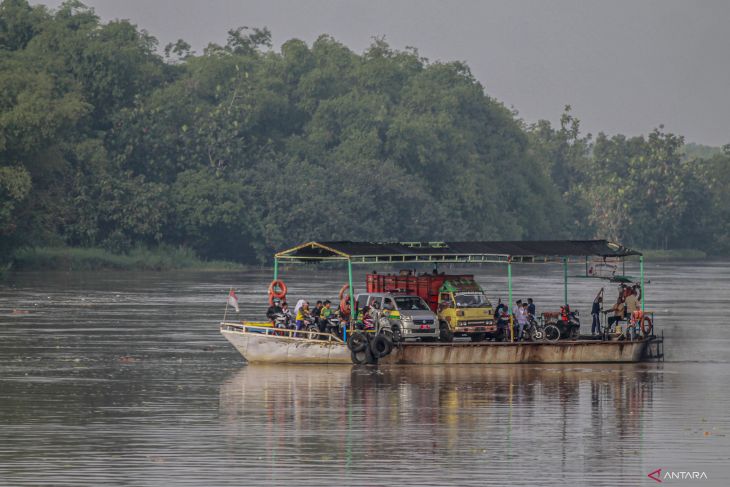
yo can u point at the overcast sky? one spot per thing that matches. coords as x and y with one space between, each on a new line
624 66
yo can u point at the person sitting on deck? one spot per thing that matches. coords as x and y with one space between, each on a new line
316 314
326 310
619 311
631 301
274 309
367 318
287 312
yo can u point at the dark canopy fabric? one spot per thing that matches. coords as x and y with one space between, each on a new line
313 251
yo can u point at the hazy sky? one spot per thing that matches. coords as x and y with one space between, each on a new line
624 66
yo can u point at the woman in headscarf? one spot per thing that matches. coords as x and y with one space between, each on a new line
301 312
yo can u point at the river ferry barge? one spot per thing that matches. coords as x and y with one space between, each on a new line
259 342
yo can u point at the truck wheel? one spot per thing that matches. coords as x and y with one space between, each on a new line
445 333
478 337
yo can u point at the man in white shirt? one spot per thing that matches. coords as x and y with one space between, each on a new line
521 315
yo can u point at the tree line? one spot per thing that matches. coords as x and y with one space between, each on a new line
108 141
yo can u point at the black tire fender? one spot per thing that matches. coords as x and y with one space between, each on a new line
381 346
357 342
359 358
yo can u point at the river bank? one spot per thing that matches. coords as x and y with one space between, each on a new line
163 258
166 258
674 254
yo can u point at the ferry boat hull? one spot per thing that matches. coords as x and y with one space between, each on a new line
267 347
258 347
564 352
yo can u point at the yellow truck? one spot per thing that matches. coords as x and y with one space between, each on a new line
463 309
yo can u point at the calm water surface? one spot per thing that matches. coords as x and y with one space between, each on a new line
123 379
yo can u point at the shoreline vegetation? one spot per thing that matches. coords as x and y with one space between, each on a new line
162 258
248 147
167 258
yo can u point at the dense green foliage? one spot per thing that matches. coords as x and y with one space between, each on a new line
243 149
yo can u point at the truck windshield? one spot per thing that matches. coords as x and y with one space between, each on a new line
411 303
471 300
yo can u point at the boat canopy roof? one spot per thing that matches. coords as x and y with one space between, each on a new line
445 252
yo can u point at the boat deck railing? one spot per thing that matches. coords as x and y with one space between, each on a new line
316 336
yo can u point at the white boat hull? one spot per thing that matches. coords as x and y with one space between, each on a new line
270 348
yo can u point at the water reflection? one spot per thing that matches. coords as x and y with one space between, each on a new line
484 418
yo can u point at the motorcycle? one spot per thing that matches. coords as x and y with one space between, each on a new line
569 323
534 331
332 325
280 321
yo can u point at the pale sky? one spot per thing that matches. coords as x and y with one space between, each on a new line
625 66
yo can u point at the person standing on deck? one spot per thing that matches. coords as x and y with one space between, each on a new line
522 319
324 316
596 313
302 313
531 308
517 307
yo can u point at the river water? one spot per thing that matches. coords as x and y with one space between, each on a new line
121 378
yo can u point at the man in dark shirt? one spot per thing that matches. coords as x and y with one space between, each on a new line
596 313
316 314
273 310
531 309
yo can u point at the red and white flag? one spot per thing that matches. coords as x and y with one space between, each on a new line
233 300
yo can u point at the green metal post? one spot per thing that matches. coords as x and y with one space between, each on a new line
509 300
565 280
353 311
641 273
276 268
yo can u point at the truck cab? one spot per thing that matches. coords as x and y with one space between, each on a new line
409 314
465 310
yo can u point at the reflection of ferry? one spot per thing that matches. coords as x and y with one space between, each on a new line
261 343
421 405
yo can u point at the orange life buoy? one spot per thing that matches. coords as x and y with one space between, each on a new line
281 292
343 291
646 325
